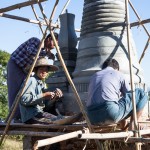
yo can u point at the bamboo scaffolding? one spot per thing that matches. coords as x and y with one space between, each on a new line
37 18
69 135
16 101
103 136
131 70
138 23
144 29
139 18
49 141
20 5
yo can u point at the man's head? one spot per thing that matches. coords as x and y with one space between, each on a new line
42 67
111 63
49 43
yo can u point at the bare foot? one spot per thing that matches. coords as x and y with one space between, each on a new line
123 124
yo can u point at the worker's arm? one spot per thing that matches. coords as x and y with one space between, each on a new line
31 95
32 47
125 86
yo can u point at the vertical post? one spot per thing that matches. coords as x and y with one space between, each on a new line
131 73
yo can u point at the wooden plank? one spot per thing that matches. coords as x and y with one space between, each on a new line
53 126
20 5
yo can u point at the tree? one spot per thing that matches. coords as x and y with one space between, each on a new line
4 57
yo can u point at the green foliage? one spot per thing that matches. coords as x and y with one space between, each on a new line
4 57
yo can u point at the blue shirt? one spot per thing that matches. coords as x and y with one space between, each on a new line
32 102
106 85
25 53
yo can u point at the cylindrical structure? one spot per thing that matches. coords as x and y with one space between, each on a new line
103 36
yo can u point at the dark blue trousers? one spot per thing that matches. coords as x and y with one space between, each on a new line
15 78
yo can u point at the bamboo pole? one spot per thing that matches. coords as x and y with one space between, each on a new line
137 23
115 135
49 141
18 18
37 18
145 48
20 5
26 20
105 136
134 115
130 66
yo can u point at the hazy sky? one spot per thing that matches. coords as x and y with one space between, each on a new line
13 32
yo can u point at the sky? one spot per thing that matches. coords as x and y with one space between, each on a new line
13 33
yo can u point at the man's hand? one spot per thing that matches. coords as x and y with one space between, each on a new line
58 93
50 54
48 95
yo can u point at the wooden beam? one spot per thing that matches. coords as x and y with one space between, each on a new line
115 135
139 22
30 20
19 18
32 133
25 19
20 5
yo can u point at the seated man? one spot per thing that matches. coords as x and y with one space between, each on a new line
104 104
33 99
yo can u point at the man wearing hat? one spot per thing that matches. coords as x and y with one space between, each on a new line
33 99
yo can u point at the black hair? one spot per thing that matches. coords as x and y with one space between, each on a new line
55 34
112 63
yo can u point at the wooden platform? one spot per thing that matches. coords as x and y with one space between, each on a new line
49 130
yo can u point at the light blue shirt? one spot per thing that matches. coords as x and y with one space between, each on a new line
32 102
106 85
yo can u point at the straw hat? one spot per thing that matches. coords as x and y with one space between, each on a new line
41 61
